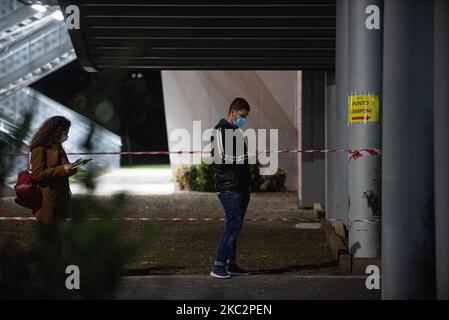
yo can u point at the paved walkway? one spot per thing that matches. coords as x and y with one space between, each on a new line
131 181
269 287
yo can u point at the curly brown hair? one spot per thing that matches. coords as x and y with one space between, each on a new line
50 132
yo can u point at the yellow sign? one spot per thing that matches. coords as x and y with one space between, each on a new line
363 108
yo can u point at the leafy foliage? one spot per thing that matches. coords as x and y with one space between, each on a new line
373 196
201 178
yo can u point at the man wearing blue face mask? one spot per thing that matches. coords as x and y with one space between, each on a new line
232 184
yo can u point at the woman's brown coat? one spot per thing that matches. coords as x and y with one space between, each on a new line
47 167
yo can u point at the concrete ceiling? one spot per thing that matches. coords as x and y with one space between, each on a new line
206 34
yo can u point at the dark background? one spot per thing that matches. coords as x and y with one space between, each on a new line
135 97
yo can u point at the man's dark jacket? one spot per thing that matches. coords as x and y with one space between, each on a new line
233 173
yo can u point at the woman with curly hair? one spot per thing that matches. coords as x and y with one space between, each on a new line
51 169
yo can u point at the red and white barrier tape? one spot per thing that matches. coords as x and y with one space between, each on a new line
194 219
353 154
358 220
166 219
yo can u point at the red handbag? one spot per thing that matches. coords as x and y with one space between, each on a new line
28 192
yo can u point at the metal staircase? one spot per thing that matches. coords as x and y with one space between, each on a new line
31 47
34 44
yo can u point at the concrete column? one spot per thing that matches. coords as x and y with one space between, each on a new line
330 114
365 77
408 269
341 120
313 164
441 118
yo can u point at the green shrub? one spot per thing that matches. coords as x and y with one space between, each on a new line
373 196
205 180
201 178
186 177
256 178
275 182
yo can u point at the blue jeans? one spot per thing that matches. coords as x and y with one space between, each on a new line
234 204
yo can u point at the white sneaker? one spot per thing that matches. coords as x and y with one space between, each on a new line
218 276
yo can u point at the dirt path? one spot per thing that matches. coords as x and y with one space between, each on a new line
265 247
262 205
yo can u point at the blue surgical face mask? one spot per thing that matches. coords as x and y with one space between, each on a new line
64 137
239 122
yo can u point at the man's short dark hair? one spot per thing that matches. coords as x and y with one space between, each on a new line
239 104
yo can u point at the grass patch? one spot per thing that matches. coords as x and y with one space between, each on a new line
82 173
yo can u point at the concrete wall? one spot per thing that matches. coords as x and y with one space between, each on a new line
206 95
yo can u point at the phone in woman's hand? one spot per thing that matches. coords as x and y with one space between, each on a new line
77 161
80 162
85 161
